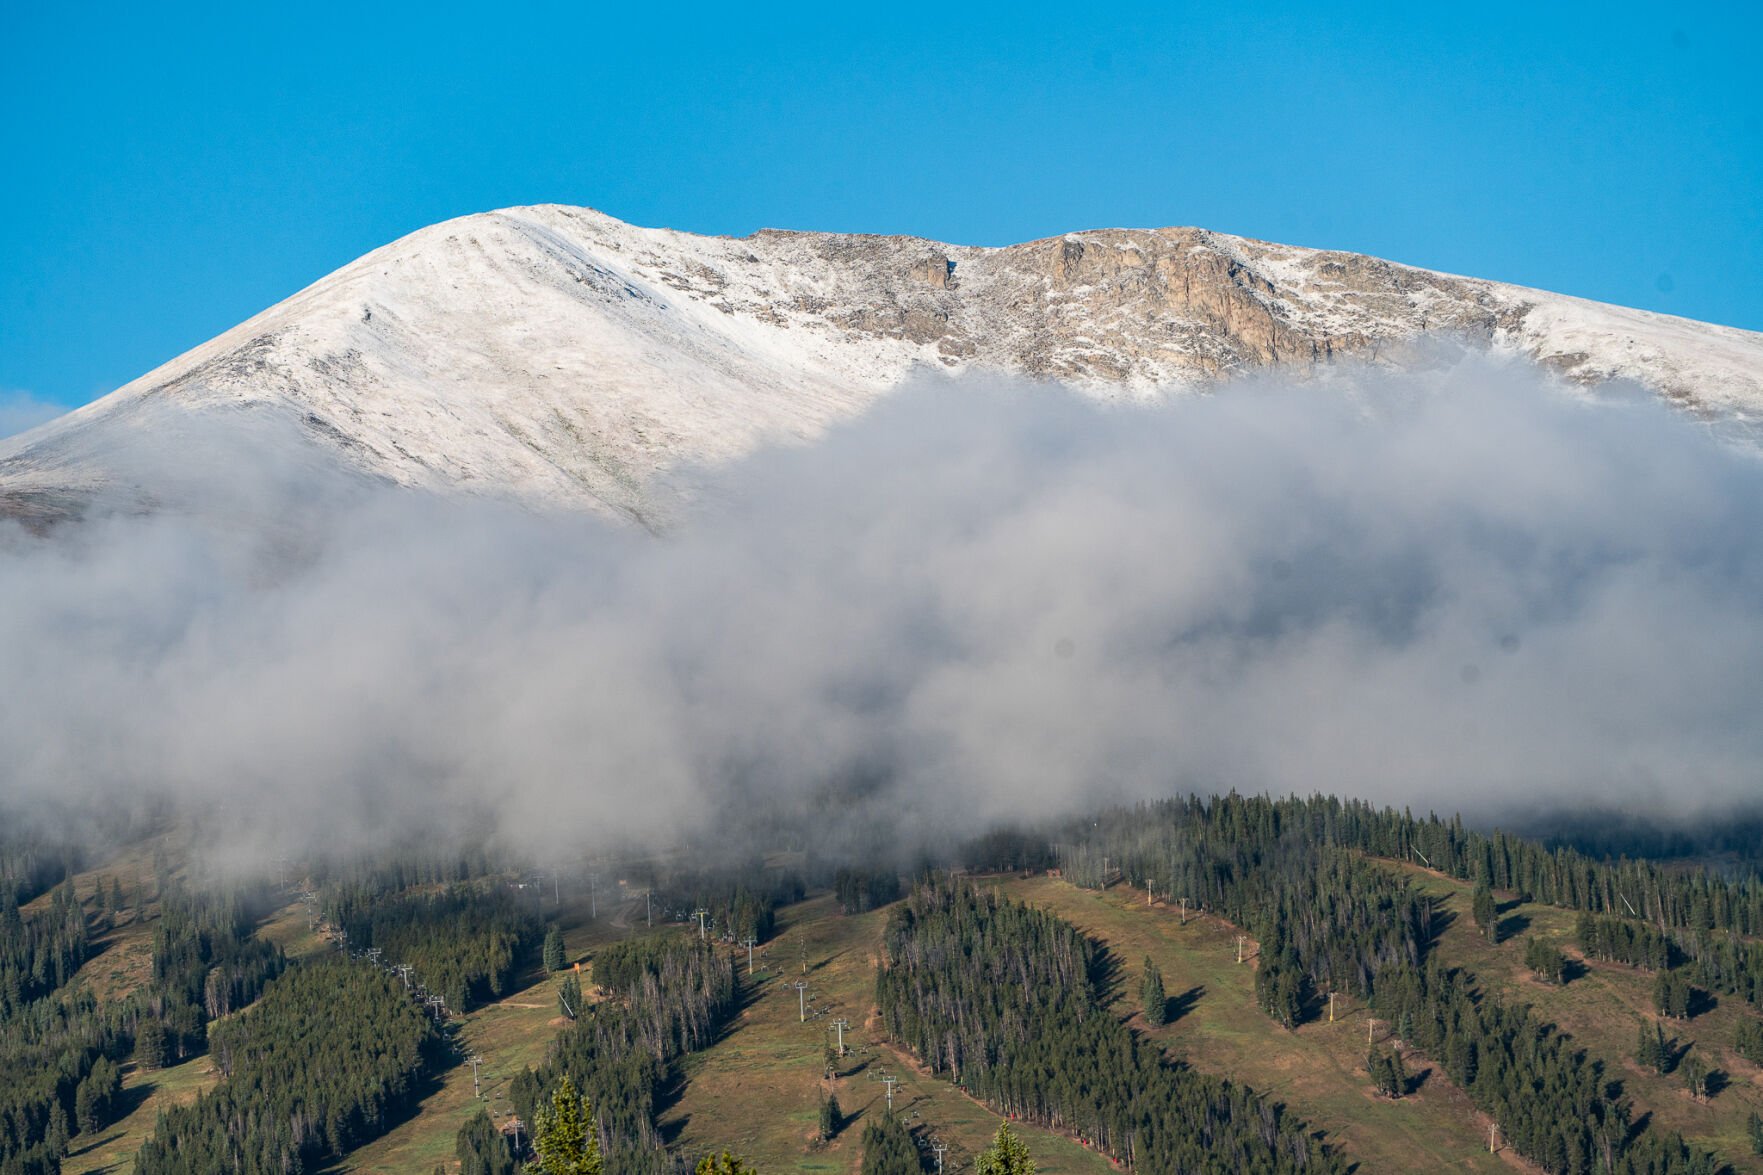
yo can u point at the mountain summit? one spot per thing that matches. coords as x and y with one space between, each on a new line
560 356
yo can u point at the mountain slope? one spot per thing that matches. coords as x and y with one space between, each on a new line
560 356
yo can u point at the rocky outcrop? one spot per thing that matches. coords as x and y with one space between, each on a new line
558 355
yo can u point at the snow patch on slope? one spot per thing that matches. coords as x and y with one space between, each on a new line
561 357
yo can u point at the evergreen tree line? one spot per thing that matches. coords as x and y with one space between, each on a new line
60 1059
1670 898
665 995
207 963
32 864
1626 940
396 870
1238 855
1545 960
739 901
332 1053
41 953
1716 962
62 1053
1747 1042
1006 1001
1325 918
465 942
1009 849
1723 963
889 1149
1553 1103
861 890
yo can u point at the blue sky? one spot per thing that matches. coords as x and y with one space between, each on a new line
171 170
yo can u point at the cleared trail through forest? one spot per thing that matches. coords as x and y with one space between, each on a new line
1318 1070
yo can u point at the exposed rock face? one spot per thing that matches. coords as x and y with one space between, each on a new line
561 356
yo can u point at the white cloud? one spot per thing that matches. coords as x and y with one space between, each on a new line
1463 589
20 411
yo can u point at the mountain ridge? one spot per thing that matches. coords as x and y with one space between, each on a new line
559 356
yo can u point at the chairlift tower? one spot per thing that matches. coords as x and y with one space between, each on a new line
841 1024
801 987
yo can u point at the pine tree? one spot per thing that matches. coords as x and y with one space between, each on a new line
152 1048
566 1137
1546 961
1755 1126
58 1132
1389 1075
1695 1077
1654 1051
1006 1156
1646 1050
482 1149
554 949
1486 912
1748 1041
569 996
1672 994
1152 995
85 1112
831 1117
723 1164
888 1148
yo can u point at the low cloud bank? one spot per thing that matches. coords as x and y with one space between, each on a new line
1464 589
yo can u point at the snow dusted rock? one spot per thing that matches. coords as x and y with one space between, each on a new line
561 357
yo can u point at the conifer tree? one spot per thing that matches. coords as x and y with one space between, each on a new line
554 949
569 996
1654 1051
566 1137
888 1148
152 1049
1153 996
1006 1156
1748 1041
1389 1075
482 1149
1695 1077
723 1164
1486 912
58 1131
831 1117
1546 961
1673 995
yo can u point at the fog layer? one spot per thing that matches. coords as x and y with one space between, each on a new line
1462 589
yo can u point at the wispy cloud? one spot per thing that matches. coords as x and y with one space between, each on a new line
20 411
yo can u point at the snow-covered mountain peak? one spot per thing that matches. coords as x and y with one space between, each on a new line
561 356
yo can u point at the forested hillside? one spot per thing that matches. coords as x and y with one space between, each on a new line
1004 1001
1013 1007
463 942
333 1051
1557 1105
664 997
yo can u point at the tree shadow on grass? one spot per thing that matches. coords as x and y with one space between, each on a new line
1105 975
1182 1004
